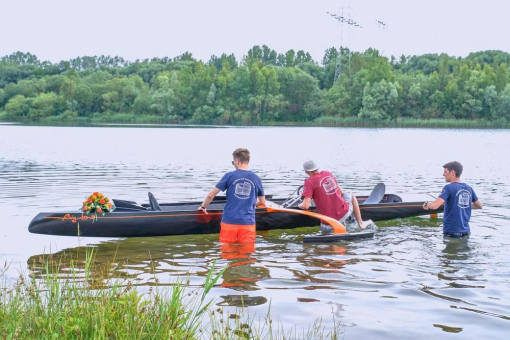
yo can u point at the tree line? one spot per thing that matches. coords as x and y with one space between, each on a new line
264 86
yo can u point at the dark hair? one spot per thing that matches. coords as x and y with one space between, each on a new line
242 155
455 166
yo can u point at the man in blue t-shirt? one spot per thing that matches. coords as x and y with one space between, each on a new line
244 192
458 198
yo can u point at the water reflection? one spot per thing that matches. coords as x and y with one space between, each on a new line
243 272
242 300
456 248
147 260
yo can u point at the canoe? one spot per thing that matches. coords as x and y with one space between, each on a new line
132 220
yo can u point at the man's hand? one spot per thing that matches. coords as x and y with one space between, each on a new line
302 206
306 203
365 224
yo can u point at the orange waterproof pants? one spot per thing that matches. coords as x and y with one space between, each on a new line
232 233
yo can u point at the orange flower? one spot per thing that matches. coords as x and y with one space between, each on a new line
85 208
109 206
99 210
84 202
95 193
94 197
90 200
101 201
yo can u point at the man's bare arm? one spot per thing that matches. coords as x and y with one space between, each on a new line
306 203
208 199
261 200
477 205
433 205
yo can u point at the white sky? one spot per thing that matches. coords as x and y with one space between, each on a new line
136 29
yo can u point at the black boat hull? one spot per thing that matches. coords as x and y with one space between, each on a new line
184 219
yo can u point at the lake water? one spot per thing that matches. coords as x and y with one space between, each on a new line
406 282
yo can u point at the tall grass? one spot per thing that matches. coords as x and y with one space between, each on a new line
413 123
119 118
80 305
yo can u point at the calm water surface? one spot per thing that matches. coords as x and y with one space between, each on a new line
406 282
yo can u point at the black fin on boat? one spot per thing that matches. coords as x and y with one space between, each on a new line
376 195
154 204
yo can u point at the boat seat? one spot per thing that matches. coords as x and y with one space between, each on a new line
376 195
121 205
390 198
153 203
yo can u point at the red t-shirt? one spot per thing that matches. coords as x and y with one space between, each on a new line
327 195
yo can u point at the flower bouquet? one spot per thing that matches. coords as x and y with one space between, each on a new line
97 203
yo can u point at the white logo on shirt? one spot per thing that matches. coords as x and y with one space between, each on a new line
243 188
329 185
463 199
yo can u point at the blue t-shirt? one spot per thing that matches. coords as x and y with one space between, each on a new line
457 207
243 187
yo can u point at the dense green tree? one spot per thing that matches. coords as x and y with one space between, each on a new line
297 87
68 89
452 100
290 58
379 100
84 97
228 61
46 104
330 56
269 56
490 103
444 71
240 87
378 67
163 95
487 58
503 105
303 57
186 56
265 86
21 58
18 106
501 77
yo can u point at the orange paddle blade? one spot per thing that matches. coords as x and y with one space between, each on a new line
338 228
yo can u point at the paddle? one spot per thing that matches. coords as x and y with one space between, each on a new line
338 228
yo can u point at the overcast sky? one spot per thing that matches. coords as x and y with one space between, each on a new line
136 29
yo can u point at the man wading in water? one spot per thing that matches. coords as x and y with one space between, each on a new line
244 192
458 198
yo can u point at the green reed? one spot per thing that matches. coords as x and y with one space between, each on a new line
412 123
81 306
328 121
80 303
241 325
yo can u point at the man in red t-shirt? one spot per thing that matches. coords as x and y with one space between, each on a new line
330 200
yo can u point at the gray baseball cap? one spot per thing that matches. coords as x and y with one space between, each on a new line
310 165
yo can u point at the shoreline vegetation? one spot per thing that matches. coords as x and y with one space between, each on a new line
144 120
263 88
81 302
